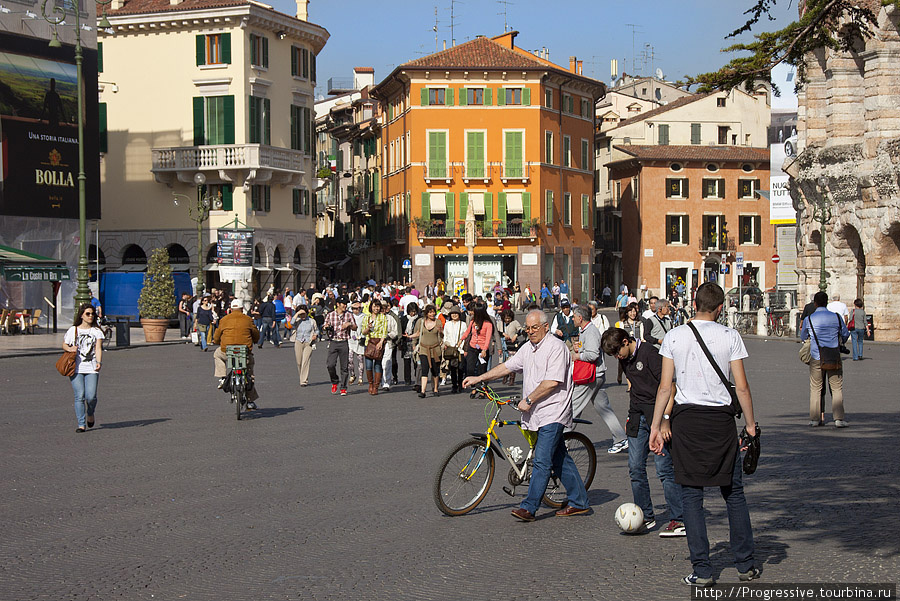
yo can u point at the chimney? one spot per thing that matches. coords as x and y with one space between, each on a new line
302 10
175 2
572 62
363 77
116 4
579 67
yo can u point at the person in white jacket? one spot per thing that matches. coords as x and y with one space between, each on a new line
390 343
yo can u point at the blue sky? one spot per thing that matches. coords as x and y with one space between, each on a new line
686 35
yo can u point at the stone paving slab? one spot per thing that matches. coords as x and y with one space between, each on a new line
323 497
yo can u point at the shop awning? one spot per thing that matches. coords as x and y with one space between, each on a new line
211 267
262 268
477 200
132 267
22 266
438 203
514 203
282 268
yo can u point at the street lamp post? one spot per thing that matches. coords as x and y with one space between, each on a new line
822 214
198 211
55 15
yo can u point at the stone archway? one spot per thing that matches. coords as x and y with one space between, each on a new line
848 264
883 280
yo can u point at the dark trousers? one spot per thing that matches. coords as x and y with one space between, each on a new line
338 351
269 331
738 523
395 367
409 369
184 322
474 367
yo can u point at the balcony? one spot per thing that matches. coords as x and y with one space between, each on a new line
478 170
717 244
229 164
340 85
515 170
439 228
437 169
514 228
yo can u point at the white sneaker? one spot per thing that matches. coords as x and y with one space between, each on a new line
839 423
618 447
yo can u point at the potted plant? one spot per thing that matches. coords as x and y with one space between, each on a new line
531 226
422 225
156 304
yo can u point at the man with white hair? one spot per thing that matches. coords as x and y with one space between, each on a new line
836 306
658 325
236 329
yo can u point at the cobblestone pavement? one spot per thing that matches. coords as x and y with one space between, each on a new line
322 497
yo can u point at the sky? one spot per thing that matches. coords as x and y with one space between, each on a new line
686 36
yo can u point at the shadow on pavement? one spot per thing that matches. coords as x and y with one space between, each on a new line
137 423
269 412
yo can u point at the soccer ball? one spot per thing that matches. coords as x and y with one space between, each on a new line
629 518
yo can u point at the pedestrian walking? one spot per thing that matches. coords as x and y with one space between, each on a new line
184 315
269 331
375 330
306 332
629 321
389 366
477 341
705 447
658 324
408 343
546 369
429 336
357 346
339 323
452 350
859 328
85 339
204 320
828 331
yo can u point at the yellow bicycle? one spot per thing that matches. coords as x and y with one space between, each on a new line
467 471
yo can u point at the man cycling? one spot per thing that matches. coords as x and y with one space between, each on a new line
236 329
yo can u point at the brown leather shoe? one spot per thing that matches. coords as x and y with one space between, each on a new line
568 511
522 514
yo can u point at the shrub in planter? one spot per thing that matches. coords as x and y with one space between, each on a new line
157 299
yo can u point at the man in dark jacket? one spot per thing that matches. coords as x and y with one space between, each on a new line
269 327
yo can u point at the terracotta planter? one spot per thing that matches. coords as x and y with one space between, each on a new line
154 329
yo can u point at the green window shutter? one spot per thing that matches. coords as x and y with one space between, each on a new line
253 110
390 112
294 130
526 96
295 201
670 228
585 155
450 201
201 50
265 49
226 48
199 134
426 206
695 133
526 205
228 107
312 67
293 61
99 57
663 135
463 205
487 96
448 96
101 113
424 92
585 215
253 57
267 130
463 98
227 197
408 205
669 188
268 197
501 206
756 194
488 208
501 96
304 60
548 207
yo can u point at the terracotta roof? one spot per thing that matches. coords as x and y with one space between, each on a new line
158 6
364 69
693 153
662 109
480 53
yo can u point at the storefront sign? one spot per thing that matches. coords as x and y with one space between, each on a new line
423 260
529 259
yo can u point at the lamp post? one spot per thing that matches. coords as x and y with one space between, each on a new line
55 15
197 211
822 214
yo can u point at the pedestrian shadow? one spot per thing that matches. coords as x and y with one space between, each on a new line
767 550
600 496
137 423
267 412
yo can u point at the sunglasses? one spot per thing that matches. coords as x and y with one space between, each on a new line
88 313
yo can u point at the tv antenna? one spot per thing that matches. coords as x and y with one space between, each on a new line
505 10
453 22
435 28
633 52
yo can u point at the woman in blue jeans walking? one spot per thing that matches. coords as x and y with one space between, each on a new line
858 331
85 339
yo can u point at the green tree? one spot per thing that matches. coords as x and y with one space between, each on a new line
157 299
839 25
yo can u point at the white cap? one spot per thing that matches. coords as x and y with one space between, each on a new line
237 304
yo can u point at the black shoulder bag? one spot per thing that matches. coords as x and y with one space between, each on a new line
829 356
735 405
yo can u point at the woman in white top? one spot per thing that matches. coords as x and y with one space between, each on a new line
85 339
453 331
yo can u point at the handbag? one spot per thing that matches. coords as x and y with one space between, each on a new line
829 356
584 372
806 351
372 351
65 365
735 404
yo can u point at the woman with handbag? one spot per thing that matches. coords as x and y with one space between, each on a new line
375 330
430 336
631 323
478 337
85 339
452 352
204 320
858 328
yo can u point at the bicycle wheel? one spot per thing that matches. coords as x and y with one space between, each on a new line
583 453
237 395
780 330
107 338
464 478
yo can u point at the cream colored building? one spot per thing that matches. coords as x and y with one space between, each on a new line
220 90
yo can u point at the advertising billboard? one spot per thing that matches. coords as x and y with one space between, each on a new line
39 130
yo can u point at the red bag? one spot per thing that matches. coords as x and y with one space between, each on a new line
584 372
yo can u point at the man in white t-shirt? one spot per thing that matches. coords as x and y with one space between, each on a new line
836 306
407 298
651 309
705 446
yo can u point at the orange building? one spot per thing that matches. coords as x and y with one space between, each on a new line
507 132
687 213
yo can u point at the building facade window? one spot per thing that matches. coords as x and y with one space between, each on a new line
259 51
663 134
714 188
260 123
677 187
301 204
714 233
585 155
548 147
261 198
677 229
747 189
474 96
585 211
567 151
437 154
513 154
548 207
750 229
213 120
548 98
475 154
567 209
214 49
723 133
695 133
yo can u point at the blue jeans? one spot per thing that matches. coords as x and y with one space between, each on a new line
856 339
85 388
374 365
202 333
738 523
269 331
638 449
550 454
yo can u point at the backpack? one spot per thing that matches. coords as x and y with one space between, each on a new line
566 325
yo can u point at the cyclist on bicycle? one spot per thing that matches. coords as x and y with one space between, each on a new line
236 329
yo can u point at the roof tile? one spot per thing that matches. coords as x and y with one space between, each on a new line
479 53
693 153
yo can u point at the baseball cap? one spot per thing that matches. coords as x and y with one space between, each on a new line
565 303
237 304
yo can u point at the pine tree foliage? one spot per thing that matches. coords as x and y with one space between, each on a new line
157 299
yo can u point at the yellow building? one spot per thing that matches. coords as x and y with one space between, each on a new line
489 125
217 93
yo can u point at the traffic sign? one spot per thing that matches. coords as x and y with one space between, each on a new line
776 258
407 264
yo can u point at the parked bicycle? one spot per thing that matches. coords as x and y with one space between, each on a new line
775 324
107 330
467 471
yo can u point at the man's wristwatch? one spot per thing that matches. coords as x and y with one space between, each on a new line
666 416
528 401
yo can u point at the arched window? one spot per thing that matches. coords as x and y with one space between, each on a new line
178 255
92 255
134 255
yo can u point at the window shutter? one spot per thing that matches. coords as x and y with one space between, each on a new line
424 97
450 201
463 97
526 96
228 108
463 205
669 226
267 130
448 97
199 134
304 59
487 96
295 130
501 96
104 140
585 212
312 67
253 57
201 50
756 189
669 187
663 135
311 131
757 225
695 133
227 197
526 205
426 206
488 208
686 229
501 206
295 206
268 190
293 61
226 48
685 188
548 207
99 57
265 51
253 110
